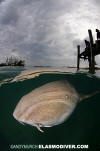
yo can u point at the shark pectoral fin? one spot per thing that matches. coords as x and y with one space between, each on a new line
21 122
38 127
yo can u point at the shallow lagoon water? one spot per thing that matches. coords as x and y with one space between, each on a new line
82 127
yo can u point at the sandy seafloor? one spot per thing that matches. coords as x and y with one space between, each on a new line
82 127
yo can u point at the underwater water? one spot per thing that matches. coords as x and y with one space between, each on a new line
82 127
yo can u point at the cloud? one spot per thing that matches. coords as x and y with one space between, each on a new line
45 32
1 1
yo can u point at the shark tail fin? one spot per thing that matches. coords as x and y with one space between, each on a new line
88 95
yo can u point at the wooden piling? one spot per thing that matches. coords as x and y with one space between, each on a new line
78 57
92 57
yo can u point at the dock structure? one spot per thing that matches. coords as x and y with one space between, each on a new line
89 53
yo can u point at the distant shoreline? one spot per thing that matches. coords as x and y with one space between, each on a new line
86 68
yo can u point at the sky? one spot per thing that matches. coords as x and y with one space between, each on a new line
46 32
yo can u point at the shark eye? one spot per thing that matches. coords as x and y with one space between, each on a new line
66 96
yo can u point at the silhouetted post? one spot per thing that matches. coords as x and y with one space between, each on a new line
92 57
78 57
